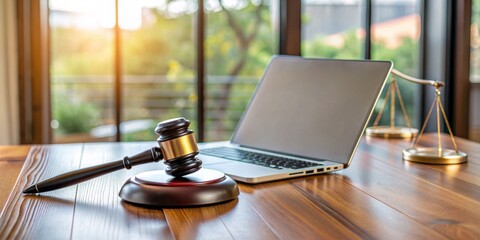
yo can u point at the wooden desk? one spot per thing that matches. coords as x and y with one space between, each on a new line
379 196
11 162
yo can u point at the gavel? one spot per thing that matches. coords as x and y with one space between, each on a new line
177 148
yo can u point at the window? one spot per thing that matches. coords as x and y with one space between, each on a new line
395 37
81 69
395 33
239 44
474 128
326 35
475 43
158 66
166 58
157 59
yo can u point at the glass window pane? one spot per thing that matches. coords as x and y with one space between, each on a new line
159 71
81 70
474 127
475 43
326 35
395 37
239 43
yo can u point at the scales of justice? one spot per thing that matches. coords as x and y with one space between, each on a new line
428 155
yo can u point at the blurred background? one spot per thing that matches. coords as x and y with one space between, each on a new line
159 57
112 69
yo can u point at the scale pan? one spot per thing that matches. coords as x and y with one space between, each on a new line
391 132
431 156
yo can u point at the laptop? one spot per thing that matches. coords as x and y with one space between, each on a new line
306 117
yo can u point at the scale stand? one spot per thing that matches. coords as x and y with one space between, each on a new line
429 155
436 155
392 131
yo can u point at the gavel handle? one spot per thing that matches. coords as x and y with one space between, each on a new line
84 174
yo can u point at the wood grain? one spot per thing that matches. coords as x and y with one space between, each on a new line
449 213
379 196
46 215
234 219
354 207
461 178
292 215
98 207
11 162
14 153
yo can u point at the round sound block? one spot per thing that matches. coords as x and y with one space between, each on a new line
156 188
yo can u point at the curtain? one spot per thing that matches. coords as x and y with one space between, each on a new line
9 99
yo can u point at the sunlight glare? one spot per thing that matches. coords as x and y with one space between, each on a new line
92 14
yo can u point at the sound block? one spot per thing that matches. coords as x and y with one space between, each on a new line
156 188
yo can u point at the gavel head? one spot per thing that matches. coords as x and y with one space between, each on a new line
178 147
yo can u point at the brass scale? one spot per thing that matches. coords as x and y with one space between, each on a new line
428 155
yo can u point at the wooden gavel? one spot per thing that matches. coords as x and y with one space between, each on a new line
177 148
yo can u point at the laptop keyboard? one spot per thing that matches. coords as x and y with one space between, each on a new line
257 158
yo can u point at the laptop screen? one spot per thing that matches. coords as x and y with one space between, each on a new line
314 108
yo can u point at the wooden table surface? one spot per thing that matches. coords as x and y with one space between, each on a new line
378 196
11 162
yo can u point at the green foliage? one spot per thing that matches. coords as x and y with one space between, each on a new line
151 49
224 49
404 57
81 52
351 48
476 11
73 117
475 42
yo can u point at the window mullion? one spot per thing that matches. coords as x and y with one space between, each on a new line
367 54
290 27
200 83
118 74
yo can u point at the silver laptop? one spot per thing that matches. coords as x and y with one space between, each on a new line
306 117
